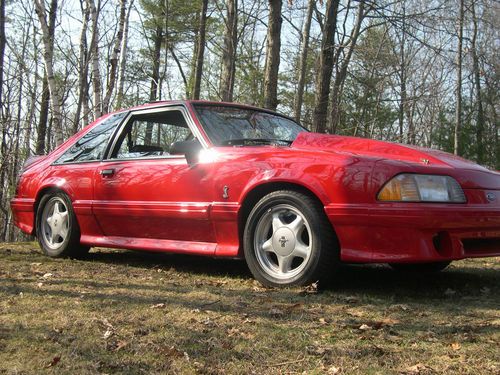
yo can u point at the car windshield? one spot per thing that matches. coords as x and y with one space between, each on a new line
237 126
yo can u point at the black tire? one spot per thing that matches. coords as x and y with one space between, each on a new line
274 236
432 267
66 243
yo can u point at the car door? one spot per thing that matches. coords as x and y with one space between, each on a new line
143 192
74 170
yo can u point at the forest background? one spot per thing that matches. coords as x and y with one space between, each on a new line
419 72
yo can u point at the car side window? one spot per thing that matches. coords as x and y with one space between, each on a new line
151 135
92 145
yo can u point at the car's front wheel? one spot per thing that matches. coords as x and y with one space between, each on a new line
57 229
289 241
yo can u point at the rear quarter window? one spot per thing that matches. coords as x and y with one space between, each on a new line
92 145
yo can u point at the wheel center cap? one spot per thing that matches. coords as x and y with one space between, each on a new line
283 241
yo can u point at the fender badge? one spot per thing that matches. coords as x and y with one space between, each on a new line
225 192
491 197
424 161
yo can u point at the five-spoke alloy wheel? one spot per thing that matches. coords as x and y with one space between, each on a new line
56 227
288 240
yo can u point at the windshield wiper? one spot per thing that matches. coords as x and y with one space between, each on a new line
256 141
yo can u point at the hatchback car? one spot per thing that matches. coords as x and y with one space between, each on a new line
227 180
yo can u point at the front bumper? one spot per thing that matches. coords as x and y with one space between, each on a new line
416 232
23 214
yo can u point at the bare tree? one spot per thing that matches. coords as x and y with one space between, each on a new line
114 59
83 70
2 46
229 51
477 83
304 50
273 54
95 11
48 56
200 51
123 60
458 92
342 71
325 68
155 73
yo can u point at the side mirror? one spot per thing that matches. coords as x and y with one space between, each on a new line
190 149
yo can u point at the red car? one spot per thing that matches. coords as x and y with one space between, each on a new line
228 180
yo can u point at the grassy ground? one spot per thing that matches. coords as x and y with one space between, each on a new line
135 313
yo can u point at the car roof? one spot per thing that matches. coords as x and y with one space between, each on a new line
194 102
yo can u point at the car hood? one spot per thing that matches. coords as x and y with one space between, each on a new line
398 152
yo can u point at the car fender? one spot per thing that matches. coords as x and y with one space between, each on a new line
285 176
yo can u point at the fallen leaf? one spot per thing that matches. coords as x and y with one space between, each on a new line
47 275
39 285
107 334
36 264
158 306
312 288
364 327
54 361
120 345
419 368
322 321
455 346
333 370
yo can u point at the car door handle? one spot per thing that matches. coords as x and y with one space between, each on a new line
107 172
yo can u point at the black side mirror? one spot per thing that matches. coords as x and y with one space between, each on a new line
189 148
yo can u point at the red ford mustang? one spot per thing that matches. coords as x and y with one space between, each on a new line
229 180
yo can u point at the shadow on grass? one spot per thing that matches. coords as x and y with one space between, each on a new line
375 280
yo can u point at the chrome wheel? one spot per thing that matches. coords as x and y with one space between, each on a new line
55 223
283 241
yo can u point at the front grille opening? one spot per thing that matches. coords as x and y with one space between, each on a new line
481 245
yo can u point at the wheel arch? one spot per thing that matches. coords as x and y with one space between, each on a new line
40 194
259 191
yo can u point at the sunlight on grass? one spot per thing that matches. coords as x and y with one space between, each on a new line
129 312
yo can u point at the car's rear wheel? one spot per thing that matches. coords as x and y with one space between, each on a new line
57 229
420 267
289 241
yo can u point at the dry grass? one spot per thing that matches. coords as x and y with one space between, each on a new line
134 313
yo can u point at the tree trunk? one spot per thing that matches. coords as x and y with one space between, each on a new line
2 47
229 51
477 83
304 50
48 43
44 117
94 49
402 80
155 73
123 61
200 51
115 55
325 69
342 73
83 66
273 55
458 110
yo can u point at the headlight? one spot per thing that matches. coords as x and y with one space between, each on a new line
422 188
